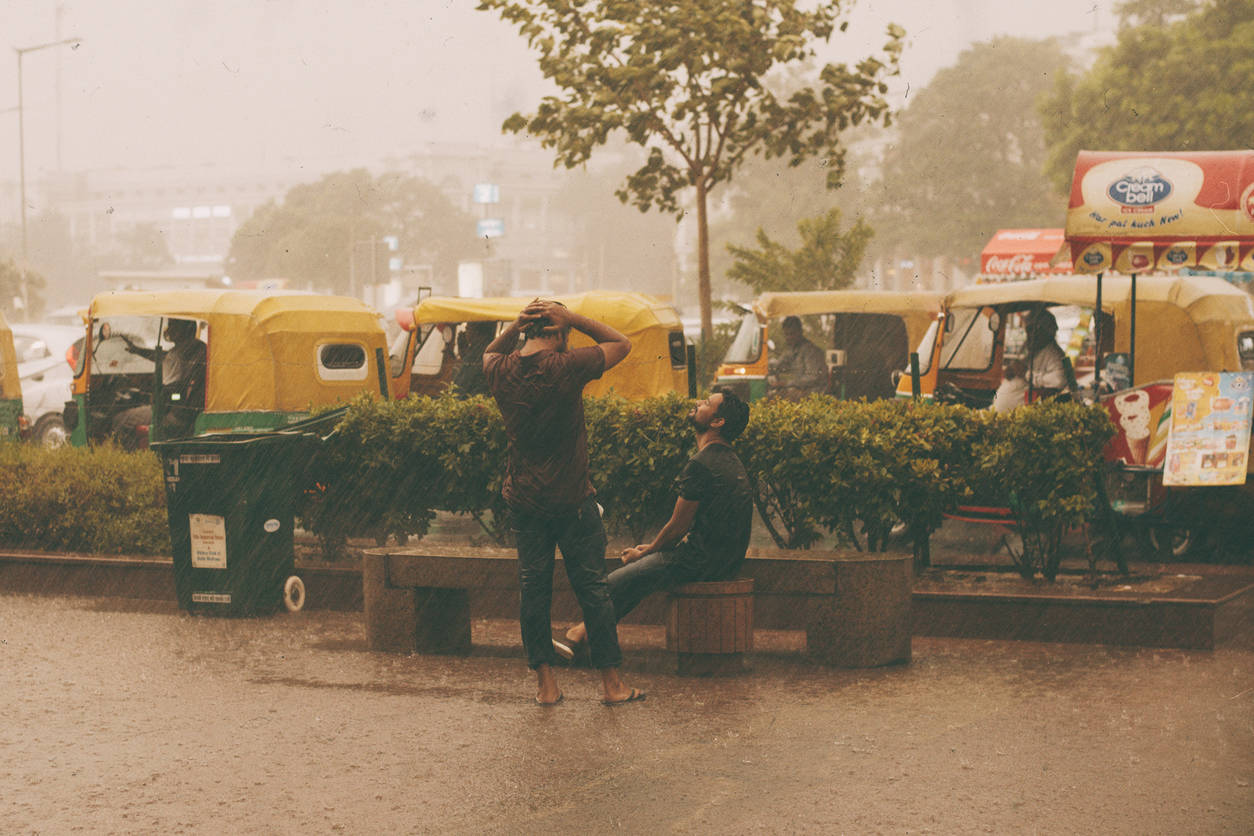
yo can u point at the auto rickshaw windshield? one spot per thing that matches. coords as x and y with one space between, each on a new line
747 345
109 353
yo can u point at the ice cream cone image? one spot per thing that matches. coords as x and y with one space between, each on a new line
1134 421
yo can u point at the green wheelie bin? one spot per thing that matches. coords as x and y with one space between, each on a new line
232 501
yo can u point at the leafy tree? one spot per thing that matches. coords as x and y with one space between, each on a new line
826 260
685 80
1152 12
1181 86
969 154
309 235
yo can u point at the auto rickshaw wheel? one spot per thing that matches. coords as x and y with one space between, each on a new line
294 594
1168 543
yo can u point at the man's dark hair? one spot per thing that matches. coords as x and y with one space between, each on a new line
734 412
792 322
181 328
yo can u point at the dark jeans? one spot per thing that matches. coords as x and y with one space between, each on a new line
581 537
632 583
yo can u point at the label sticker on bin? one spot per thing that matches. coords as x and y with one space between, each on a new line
208 535
200 458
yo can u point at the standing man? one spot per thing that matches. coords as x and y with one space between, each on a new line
708 533
799 369
539 389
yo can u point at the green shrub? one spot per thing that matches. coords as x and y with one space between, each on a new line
1044 462
103 500
635 450
852 470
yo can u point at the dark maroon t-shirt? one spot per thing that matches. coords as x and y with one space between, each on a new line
541 399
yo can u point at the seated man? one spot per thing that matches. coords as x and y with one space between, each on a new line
182 385
1046 373
708 533
799 368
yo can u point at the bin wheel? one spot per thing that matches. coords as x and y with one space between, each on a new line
294 594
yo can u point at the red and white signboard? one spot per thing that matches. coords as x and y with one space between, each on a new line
1023 253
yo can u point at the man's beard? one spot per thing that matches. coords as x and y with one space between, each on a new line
697 424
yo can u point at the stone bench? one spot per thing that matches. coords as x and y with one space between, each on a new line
854 607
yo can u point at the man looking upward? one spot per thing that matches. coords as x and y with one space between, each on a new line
539 389
708 533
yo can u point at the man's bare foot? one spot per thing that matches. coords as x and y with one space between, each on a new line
615 691
548 693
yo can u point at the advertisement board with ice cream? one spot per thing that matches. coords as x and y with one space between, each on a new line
1142 418
1139 211
1209 438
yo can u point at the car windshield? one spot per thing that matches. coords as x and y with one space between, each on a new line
747 346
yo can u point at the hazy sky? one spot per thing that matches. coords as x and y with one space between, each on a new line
329 83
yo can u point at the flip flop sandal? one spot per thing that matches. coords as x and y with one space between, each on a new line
635 696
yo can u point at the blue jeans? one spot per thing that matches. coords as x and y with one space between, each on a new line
681 564
581 537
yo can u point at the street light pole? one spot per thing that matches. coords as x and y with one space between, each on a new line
21 150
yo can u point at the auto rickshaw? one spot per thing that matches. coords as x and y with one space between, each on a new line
11 419
871 333
443 339
1133 213
269 359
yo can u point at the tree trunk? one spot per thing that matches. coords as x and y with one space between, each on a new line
703 261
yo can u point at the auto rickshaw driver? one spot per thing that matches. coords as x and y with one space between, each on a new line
182 385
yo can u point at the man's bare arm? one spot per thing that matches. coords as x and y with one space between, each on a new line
507 340
674 530
614 345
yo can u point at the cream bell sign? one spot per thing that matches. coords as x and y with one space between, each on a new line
1135 212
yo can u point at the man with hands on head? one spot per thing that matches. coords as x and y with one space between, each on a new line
539 389
708 533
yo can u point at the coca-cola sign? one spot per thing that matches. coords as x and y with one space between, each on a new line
1017 263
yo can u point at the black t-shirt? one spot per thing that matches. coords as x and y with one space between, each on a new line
716 479
541 399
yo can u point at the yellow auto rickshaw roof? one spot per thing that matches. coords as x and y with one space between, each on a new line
802 303
628 312
1206 298
333 314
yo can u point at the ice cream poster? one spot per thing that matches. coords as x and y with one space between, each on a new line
1209 440
1142 417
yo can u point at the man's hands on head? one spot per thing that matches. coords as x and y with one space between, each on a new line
558 315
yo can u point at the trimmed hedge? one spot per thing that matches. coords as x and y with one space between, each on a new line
103 501
848 469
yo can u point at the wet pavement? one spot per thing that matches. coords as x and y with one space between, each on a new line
117 717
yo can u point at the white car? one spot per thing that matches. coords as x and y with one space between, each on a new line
44 353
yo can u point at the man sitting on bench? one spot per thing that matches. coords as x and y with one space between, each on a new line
708 533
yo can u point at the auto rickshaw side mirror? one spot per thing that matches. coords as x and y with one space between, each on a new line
994 322
106 331
949 323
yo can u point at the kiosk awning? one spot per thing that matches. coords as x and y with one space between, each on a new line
1023 253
